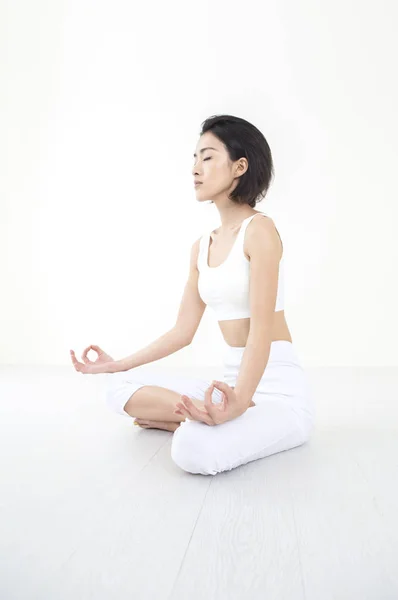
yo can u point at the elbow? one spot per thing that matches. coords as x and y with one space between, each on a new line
182 337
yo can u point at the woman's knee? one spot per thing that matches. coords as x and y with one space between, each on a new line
117 393
189 449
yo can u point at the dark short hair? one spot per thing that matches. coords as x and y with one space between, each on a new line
242 139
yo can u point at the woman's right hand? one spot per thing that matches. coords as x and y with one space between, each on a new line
102 357
100 365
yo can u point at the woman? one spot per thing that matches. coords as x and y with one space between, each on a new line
264 403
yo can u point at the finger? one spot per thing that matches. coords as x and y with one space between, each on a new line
219 406
197 413
78 366
200 416
222 386
184 412
186 404
210 405
96 348
181 406
73 357
208 398
225 390
224 401
86 350
85 358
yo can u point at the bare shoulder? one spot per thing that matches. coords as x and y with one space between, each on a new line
195 252
195 247
263 232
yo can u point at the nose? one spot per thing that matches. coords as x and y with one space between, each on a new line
195 170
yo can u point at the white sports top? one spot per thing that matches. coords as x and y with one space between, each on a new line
225 288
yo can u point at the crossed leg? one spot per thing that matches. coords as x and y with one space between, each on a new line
151 395
270 426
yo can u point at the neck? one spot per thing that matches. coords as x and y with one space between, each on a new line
232 218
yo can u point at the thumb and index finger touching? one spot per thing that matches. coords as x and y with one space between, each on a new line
85 358
223 388
87 350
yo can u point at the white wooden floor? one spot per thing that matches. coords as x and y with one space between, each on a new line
92 507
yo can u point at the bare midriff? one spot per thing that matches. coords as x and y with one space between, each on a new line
236 331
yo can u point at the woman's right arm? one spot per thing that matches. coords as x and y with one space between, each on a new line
170 342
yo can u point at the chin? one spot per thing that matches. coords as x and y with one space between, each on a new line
202 197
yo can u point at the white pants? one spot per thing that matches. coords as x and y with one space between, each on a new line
282 418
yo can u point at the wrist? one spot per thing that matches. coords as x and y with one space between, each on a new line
243 404
115 367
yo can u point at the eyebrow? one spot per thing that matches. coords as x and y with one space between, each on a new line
207 148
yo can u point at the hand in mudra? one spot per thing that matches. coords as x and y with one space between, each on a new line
212 414
92 367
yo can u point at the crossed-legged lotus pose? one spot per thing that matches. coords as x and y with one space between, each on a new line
263 404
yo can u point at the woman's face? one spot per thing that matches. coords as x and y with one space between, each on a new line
214 169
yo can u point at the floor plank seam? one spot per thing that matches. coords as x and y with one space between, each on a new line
189 541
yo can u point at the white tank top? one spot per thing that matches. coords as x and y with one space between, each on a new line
225 288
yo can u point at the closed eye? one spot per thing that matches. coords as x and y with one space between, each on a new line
209 158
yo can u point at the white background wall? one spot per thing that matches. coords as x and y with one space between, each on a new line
101 107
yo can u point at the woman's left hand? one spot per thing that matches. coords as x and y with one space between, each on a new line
213 414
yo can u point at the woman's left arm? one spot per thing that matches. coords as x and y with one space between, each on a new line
264 248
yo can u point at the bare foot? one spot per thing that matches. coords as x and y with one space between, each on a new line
166 425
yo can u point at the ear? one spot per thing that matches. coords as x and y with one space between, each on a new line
242 166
